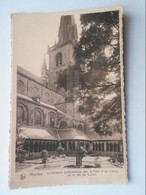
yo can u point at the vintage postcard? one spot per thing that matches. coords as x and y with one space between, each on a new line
67 99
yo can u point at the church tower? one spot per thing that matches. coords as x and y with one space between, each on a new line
61 55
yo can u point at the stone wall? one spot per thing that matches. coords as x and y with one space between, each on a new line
32 89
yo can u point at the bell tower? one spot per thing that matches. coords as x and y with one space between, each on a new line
61 54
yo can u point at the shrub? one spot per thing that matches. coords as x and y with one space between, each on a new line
117 158
20 155
44 156
60 150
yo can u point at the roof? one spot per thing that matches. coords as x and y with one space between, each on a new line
96 137
36 133
72 134
44 67
36 79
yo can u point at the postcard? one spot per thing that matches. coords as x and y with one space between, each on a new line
67 99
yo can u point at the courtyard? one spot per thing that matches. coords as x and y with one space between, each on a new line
66 162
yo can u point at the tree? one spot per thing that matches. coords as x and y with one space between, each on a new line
97 57
20 144
44 156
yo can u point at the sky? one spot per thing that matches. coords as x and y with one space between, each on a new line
31 36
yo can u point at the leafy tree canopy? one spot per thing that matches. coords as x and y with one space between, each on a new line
97 59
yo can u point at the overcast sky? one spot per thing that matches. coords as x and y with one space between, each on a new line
32 33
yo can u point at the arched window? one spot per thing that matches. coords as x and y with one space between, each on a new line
59 59
22 114
63 124
20 86
38 117
52 120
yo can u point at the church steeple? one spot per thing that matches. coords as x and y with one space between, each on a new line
44 73
67 30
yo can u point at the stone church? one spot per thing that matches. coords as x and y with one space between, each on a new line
44 116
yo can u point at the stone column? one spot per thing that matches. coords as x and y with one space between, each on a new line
76 145
105 149
90 146
121 147
67 148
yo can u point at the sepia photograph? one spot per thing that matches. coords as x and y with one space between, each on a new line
68 102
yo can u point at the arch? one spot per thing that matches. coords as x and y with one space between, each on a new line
52 120
118 147
40 146
44 145
38 117
96 147
20 86
102 146
63 124
59 59
65 146
115 147
99 147
80 127
31 146
93 147
111 147
71 145
54 146
87 146
22 114
35 146
107 146
50 146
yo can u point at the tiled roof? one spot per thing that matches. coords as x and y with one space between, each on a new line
64 134
36 133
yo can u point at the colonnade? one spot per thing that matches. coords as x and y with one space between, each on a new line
73 145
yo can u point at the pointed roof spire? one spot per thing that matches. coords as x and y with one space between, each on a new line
44 66
67 30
